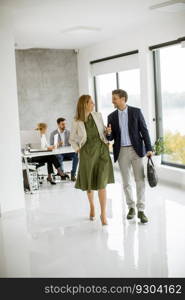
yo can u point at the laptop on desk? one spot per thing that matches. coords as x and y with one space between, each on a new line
39 150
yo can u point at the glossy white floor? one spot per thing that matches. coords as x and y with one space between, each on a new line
54 238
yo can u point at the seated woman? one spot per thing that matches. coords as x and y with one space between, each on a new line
49 159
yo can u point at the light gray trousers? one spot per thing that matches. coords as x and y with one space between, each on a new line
128 158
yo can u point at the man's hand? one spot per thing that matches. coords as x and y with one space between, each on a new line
60 143
108 130
149 154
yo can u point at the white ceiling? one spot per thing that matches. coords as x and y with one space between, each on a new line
48 23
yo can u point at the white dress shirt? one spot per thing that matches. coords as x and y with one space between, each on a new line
62 136
123 124
44 143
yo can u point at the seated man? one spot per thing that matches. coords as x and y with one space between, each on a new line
63 140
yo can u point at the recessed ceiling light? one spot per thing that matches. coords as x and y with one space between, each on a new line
170 6
80 29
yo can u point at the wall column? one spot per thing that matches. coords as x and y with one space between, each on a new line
11 183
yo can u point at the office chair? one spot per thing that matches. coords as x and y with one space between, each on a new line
33 176
38 165
41 177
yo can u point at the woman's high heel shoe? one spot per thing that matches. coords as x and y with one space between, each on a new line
92 218
104 222
51 181
92 215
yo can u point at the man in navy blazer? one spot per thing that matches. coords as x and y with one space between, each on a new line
127 127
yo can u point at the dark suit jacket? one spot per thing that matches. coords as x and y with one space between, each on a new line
138 132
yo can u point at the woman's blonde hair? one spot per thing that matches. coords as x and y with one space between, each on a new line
81 114
41 126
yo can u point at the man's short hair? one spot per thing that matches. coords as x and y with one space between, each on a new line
121 94
60 120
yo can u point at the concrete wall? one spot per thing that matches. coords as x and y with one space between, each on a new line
47 86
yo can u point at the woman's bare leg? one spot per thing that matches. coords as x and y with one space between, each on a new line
103 201
90 195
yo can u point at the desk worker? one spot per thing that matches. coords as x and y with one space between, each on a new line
49 159
62 134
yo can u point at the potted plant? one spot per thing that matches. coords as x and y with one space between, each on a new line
159 149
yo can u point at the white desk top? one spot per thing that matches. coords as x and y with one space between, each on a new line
67 149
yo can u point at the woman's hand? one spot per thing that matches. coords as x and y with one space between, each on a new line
51 147
108 130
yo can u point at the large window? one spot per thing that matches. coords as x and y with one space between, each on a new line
170 102
105 84
128 80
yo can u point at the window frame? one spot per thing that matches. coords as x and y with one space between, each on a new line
95 89
157 94
117 76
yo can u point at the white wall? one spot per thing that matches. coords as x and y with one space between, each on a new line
163 30
172 175
11 187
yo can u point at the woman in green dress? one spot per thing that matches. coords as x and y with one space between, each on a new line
88 137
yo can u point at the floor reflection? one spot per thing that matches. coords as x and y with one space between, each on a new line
54 237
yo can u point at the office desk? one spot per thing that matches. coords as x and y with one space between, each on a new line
25 156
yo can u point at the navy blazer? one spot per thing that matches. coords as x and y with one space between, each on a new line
138 132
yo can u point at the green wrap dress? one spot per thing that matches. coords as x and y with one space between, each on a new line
95 167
